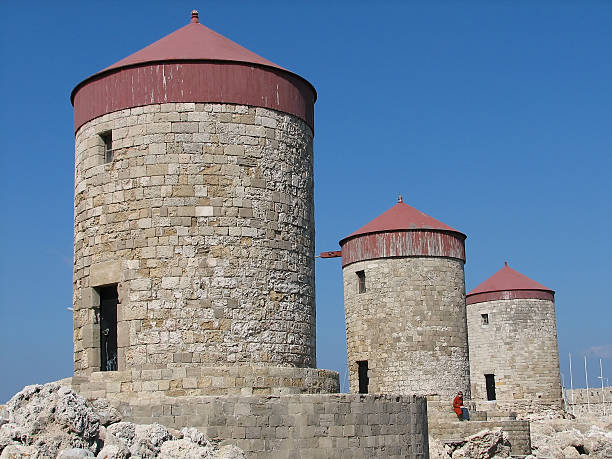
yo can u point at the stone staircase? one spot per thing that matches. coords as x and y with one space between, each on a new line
444 425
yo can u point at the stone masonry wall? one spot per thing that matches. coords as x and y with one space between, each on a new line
409 325
205 221
298 426
519 347
231 380
583 401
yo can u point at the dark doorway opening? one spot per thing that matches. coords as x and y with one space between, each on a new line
108 327
363 376
490 383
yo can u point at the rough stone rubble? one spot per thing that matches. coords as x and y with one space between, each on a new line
567 438
52 421
482 445
552 437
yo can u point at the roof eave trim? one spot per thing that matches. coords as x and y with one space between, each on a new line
511 290
104 73
407 230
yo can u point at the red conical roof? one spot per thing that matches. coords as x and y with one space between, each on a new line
403 217
193 42
508 279
193 65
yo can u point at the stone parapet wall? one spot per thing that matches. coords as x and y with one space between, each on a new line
205 221
518 346
195 381
518 407
297 426
582 401
409 324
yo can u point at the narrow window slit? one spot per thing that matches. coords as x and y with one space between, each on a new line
107 138
361 282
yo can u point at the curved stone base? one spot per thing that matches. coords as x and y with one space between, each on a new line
306 426
197 381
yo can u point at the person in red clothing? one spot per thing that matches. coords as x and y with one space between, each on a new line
459 409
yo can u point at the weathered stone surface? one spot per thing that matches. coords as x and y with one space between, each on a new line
184 448
231 380
208 229
106 412
409 325
518 346
50 418
148 440
485 444
74 453
52 421
114 451
560 438
20 452
230 452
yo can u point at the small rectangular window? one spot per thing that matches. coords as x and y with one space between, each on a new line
485 319
362 370
107 138
361 282
490 384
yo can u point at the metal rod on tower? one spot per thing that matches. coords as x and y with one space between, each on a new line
571 382
586 376
603 398
564 392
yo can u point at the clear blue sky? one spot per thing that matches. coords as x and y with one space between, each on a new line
493 117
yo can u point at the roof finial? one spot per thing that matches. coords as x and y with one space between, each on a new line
505 263
399 199
194 16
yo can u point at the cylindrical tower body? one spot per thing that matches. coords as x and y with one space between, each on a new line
194 206
514 359
404 299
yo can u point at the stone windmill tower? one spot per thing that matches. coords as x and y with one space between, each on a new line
404 299
194 213
514 359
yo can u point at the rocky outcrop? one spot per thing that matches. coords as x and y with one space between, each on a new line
52 421
485 444
566 438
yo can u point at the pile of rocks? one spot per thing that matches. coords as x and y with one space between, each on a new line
486 444
553 436
567 438
52 421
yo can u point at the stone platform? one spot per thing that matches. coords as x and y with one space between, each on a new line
205 380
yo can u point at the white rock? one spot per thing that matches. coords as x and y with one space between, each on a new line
51 418
148 440
121 431
230 452
19 452
193 434
484 445
107 413
115 451
74 453
570 452
184 448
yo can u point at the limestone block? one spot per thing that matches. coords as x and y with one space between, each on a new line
104 273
